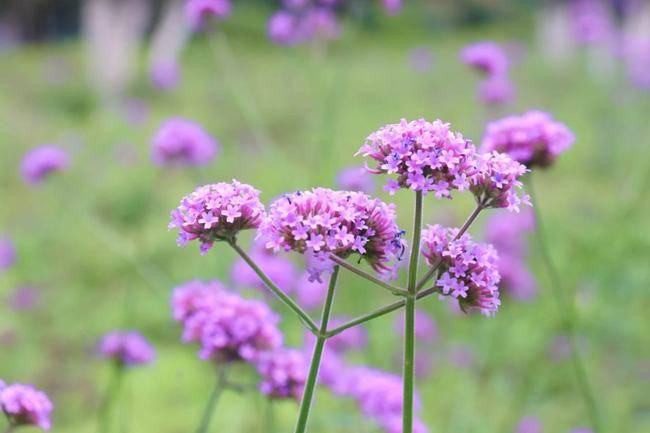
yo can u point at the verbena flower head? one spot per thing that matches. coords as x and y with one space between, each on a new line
495 181
7 253
217 212
25 405
533 138
282 28
496 90
165 74
276 266
323 221
198 11
41 161
591 21
355 179
423 156
127 348
228 327
468 270
487 57
182 142
284 372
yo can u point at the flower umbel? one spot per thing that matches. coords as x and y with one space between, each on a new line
284 372
423 156
322 222
182 142
495 181
468 270
25 405
217 212
128 348
41 161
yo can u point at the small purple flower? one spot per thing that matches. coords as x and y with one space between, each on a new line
25 405
40 162
424 156
128 348
323 221
284 372
392 7
182 142
533 139
495 181
228 327
487 57
25 298
282 28
426 329
7 253
198 11
529 424
217 212
496 90
468 270
165 74
355 179
277 267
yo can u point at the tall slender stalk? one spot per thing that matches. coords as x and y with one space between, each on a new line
112 391
275 289
409 319
210 408
305 404
566 310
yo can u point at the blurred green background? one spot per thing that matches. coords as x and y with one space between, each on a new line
94 240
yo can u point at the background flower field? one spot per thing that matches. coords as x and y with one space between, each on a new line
94 245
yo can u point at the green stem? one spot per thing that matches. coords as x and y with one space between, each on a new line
238 88
305 404
565 307
112 391
270 416
463 229
210 408
275 289
409 319
394 290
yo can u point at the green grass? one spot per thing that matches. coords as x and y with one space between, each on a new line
95 239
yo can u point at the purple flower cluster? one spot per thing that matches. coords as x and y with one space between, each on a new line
41 161
284 372
495 181
277 267
128 348
228 327
468 270
508 234
355 179
300 21
491 59
217 212
323 221
392 7
198 11
25 405
7 253
165 74
424 156
591 21
182 142
534 138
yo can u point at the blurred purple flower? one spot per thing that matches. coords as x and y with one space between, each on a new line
591 21
282 28
529 424
284 372
392 7
426 329
165 75
198 11
136 111
355 179
487 57
127 348
310 294
7 253
421 59
496 90
40 162
636 51
182 142
277 267
25 298
25 405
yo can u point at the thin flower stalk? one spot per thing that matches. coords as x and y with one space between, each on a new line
304 317
305 404
110 396
394 290
566 310
211 407
409 319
